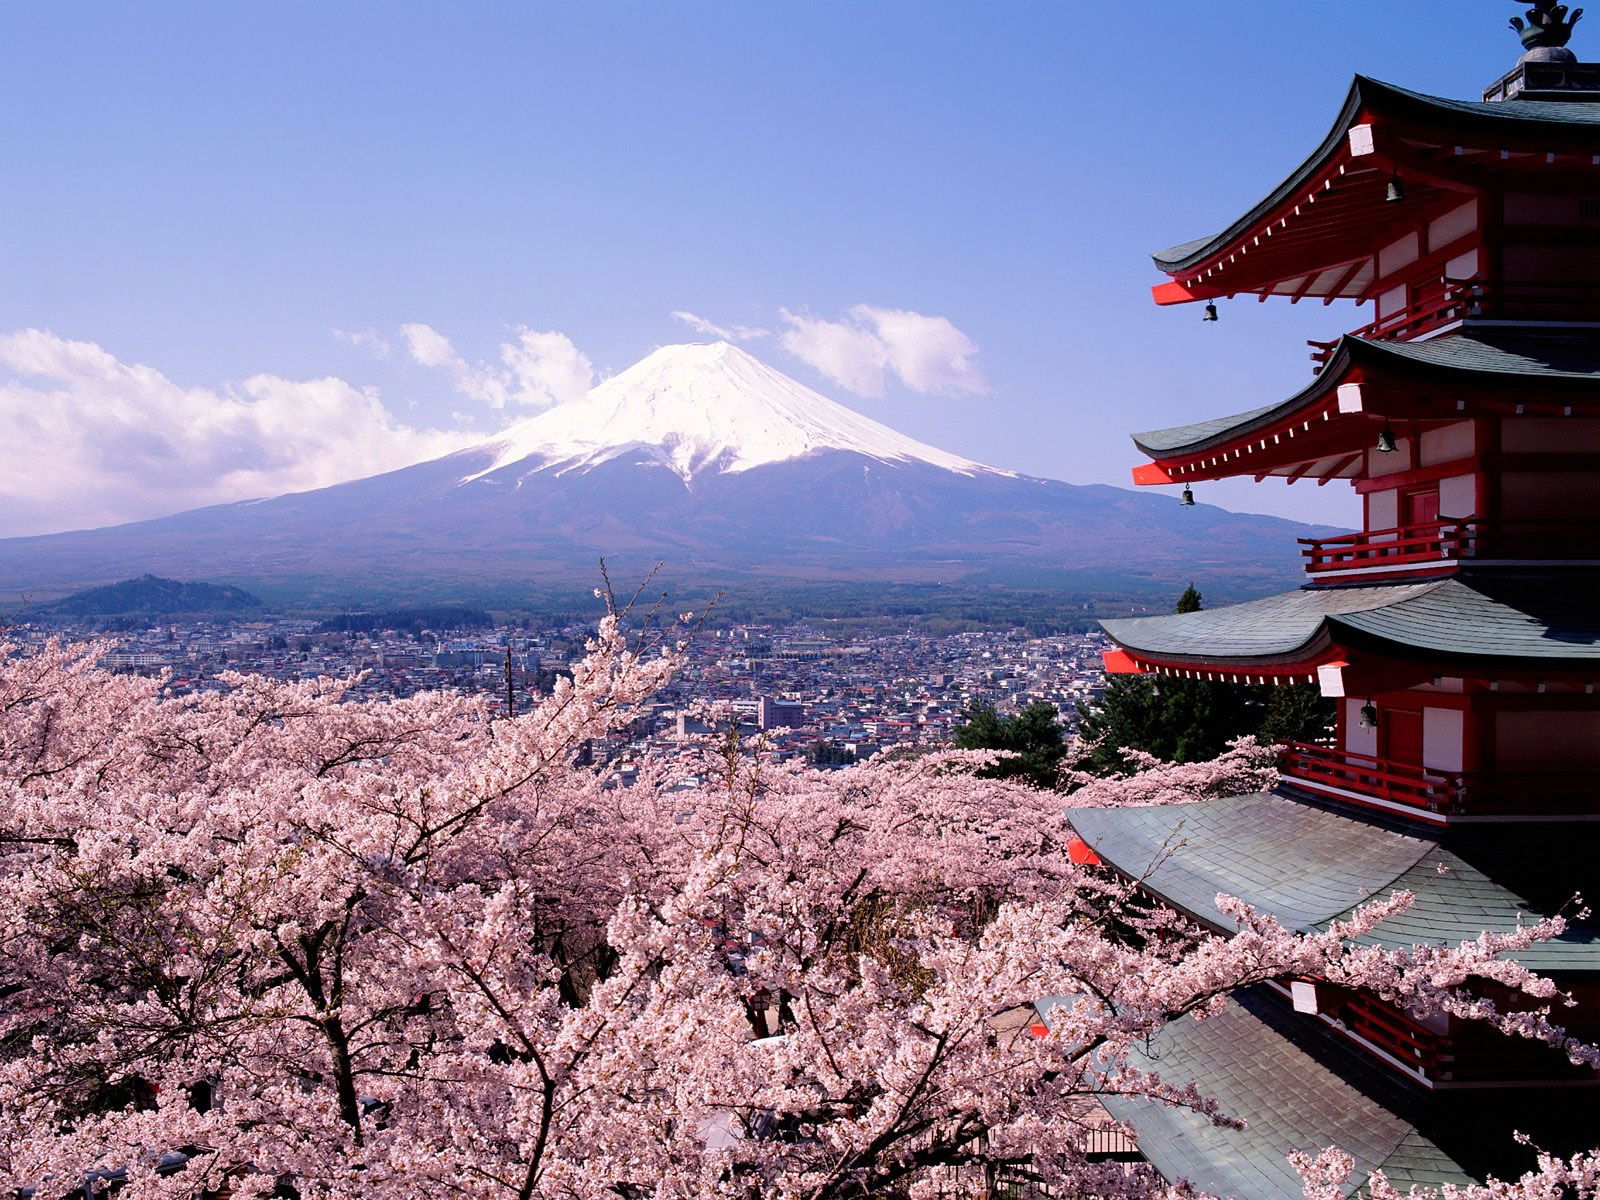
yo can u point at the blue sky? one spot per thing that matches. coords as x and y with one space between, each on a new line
197 196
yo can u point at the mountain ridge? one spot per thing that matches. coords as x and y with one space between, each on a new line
702 457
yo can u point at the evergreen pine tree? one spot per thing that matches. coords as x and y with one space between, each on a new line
1033 735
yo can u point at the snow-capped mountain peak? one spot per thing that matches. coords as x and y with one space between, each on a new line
704 407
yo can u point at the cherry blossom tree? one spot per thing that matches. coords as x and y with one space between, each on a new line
271 940
1248 765
1577 1178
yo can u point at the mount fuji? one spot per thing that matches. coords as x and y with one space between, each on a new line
705 409
700 456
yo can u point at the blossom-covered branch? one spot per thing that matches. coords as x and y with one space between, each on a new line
273 937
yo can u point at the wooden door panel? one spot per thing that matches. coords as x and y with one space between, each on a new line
1402 735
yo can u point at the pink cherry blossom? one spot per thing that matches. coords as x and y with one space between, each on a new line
270 936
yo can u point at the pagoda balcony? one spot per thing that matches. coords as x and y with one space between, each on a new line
1438 796
1431 795
1406 1042
1462 1055
1439 547
1460 302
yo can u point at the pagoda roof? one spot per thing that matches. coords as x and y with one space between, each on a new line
1501 622
1469 358
1309 867
1549 360
1294 1087
1548 126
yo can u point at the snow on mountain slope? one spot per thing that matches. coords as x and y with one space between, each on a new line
700 408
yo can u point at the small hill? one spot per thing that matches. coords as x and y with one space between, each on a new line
153 596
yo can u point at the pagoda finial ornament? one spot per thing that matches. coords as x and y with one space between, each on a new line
1548 27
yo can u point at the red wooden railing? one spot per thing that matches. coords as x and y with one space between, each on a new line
1393 1032
1454 304
1462 1052
1462 300
1560 793
1397 783
1433 542
1443 543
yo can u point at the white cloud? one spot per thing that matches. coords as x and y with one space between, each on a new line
428 346
928 354
546 369
87 440
538 369
852 357
369 340
733 333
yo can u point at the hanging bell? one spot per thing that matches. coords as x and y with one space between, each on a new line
1369 716
1386 443
1210 313
1395 193
1187 499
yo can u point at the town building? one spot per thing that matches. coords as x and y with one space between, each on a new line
1459 631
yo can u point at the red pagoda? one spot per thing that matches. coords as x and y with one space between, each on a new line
1459 630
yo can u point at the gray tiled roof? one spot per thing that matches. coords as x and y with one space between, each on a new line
1418 1162
1308 866
1301 864
1553 356
1485 621
1456 902
1494 114
1549 359
1274 626
1159 442
1288 1099
1523 118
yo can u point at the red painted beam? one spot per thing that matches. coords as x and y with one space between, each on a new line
1080 852
1344 280
1300 471
1339 466
1120 662
1174 292
1382 483
1146 474
1126 662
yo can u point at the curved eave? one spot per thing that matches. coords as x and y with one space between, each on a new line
1571 128
1282 637
1294 667
1265 438
1228 434
1518 628
1190 255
